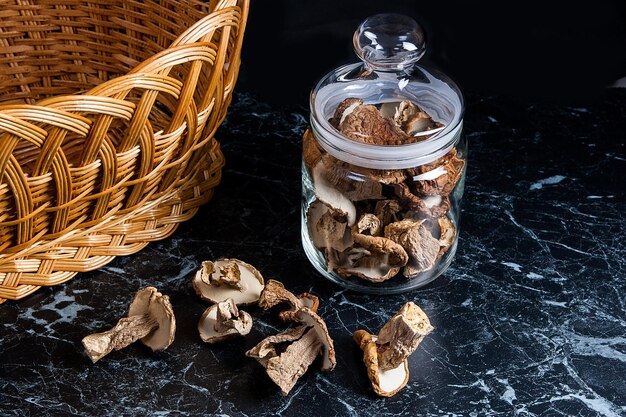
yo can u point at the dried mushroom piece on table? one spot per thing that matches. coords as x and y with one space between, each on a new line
384 383
386 355
275 293
287 355
150 319
223 321
228 278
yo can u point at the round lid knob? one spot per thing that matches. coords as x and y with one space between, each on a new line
389 42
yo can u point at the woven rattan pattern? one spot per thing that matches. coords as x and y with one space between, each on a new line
108 110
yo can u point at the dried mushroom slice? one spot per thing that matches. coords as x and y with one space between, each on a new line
369 224
150 318
418 243
328 227
447 234
386 355
430 206
212 284
311 151
439 177
384 383
287 355
349 181
223 321
310 318
413 120
383 262
343 110
401 335
365 124
387 211
328 194
370 269
393 253
275 293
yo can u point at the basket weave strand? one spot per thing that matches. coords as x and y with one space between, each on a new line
107 124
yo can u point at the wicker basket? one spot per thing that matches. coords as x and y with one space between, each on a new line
107 120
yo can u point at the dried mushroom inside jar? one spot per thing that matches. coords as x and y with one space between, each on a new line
375 224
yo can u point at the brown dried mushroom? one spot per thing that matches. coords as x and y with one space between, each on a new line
401 335
385 383
328 227
228 278
439 177
287 355
447 234
328 194
275 293
383 259
386 355
223 321
150 319
418 243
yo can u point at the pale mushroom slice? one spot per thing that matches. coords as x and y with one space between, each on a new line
401 335
215 282
384 383
223 321
418 243
328 227
386 355
385 259
328 194
150 319
275 293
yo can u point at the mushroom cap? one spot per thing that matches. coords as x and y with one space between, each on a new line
250 276
151 302
206 326
308 317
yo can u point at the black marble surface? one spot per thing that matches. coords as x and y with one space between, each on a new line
530 319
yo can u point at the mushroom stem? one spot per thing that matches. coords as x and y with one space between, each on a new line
125 332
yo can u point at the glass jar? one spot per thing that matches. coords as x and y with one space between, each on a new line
383 165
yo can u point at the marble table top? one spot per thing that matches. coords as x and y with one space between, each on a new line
530 319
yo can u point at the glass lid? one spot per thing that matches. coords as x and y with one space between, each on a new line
389 46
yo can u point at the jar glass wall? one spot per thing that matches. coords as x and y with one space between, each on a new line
381 231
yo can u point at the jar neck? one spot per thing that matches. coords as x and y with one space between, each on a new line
384 156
